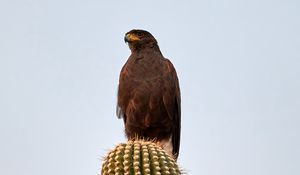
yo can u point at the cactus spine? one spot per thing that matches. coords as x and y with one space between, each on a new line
139 158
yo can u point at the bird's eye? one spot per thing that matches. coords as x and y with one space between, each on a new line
140 34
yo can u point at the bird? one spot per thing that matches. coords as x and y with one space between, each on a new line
148 97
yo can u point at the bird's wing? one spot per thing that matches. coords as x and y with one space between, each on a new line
172 103
120 96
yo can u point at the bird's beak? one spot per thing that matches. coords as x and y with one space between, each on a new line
130 38
126 39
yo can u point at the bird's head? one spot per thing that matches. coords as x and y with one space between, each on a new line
138 39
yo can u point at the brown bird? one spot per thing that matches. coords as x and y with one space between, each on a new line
149 94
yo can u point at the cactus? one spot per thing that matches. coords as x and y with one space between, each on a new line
139 157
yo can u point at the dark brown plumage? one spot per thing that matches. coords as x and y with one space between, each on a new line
149 94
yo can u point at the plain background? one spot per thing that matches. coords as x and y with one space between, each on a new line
238 63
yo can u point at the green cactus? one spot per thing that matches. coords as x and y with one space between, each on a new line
139 157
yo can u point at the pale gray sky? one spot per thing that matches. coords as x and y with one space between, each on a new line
238 64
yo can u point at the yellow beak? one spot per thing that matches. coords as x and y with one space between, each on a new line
131 37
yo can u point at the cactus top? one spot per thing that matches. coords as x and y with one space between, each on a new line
139 158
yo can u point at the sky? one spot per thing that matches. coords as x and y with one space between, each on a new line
238 64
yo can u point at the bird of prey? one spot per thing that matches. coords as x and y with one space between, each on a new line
149 94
